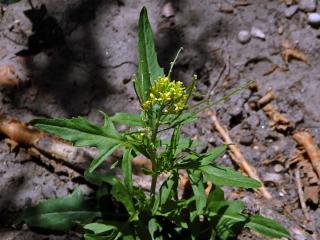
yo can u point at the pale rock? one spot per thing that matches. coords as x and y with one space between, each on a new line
308 5
244 36
168 10
290 11
314 19
257 33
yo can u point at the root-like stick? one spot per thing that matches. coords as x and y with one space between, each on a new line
306 140
300 193
237 155
17 131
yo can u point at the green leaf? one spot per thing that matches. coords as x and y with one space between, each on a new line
122 195
99 178
209 157
127 119
216 194
126 166
9 1
166 192
154 226
98 228
267 227
148 69
88 236
60 214
81 132
102 156
226 216
198 189
228 177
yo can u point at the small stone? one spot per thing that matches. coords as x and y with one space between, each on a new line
246 138
308 5
272 177
168 10
257 33
314 19
290 11
278 168
244 36
253 121
235 111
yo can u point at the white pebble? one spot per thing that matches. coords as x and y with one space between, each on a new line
314 19
168 10
290 11
244 36
257 33
278 168
308 5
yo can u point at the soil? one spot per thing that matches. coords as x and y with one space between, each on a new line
89 58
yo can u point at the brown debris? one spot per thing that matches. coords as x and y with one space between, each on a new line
226 8
294 53
306 140
237 156
300 194
278 121
8 76
270 95
274 68
312 193
288 2
241 3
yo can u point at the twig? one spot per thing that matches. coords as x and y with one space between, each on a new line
237 155
300 193
306 140
214 84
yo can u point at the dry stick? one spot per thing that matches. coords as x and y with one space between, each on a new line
306 140
79 158
300 193
237 155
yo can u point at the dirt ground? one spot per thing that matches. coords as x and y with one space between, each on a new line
88 63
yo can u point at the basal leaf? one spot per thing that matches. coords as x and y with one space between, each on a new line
267 227
127 119
60 214
228 177
148 69
98 228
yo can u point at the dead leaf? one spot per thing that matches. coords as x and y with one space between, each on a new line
8 76
278 121
294 53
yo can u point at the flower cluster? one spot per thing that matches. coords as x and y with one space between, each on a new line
170 96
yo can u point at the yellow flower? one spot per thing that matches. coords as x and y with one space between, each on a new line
171 96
